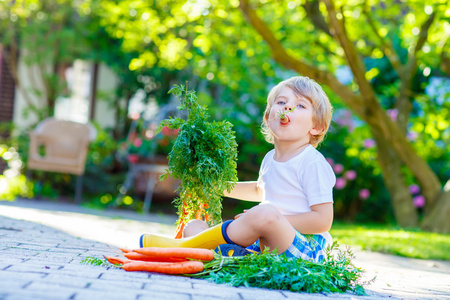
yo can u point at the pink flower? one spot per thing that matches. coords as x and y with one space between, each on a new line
340 183
344 119
137 142
330 161
165 131
411 136
135 116
369 143
350 175
364 194
133 158
419 201
392 113
338 168
414 189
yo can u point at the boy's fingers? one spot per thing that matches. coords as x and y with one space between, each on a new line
239 215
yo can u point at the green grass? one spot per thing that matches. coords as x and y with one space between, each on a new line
393 240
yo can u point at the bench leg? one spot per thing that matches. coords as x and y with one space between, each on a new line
149 193
79 189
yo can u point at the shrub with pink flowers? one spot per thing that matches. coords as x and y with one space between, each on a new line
142 142
351 150
359 193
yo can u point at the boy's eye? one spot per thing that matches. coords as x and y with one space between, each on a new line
281 102
300 105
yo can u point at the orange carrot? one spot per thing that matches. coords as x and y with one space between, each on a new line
284 120
116 260
179 230
125 250
143 257
192 253
183 267
182 222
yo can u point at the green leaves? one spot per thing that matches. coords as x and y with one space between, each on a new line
203 157
272 271
95 261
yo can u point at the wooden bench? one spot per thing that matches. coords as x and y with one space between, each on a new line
61 146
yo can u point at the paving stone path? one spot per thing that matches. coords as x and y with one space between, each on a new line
41 262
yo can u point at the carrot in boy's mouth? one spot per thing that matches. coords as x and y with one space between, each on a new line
284 120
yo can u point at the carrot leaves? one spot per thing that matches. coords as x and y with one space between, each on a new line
203 157
269 270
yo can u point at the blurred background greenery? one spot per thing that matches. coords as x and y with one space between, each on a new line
384 64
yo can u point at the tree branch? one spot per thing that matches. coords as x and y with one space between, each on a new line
404 103
285 59
386 46
315 16
356 65
445 57
423 35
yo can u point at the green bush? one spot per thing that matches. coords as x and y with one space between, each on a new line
13 184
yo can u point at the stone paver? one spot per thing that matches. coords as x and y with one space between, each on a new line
44 262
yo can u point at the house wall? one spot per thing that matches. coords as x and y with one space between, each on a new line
75 107
30 82
106 85
6 92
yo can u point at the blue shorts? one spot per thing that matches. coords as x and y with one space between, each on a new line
304 246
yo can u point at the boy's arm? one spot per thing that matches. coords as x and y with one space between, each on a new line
318 220
246 190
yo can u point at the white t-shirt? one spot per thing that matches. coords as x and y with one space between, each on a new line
295 185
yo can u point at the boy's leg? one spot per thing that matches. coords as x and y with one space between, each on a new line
194 227
207 239
263 222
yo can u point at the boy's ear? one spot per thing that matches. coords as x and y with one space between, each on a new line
315 131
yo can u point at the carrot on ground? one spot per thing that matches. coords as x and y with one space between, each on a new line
183 267
192 253
138 256
125 250
116 260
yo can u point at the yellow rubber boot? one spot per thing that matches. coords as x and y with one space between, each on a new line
208 239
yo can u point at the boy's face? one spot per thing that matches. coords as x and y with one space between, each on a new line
300 126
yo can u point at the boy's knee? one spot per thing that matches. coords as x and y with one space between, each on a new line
194 227
265 215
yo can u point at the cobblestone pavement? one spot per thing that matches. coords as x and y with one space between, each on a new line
42 246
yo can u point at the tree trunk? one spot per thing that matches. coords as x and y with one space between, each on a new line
366 106
404 210
392 134
438 218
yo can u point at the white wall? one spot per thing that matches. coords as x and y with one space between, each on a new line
106 84
76 106
30 80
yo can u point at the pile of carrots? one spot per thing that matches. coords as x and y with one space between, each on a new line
163 260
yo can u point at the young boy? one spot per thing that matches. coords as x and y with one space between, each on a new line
295 181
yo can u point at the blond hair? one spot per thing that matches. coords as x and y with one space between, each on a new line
313 92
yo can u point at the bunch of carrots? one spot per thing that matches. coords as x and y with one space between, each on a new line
163 260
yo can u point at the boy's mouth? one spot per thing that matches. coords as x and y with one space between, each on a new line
284 120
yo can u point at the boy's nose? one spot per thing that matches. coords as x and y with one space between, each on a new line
287 108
